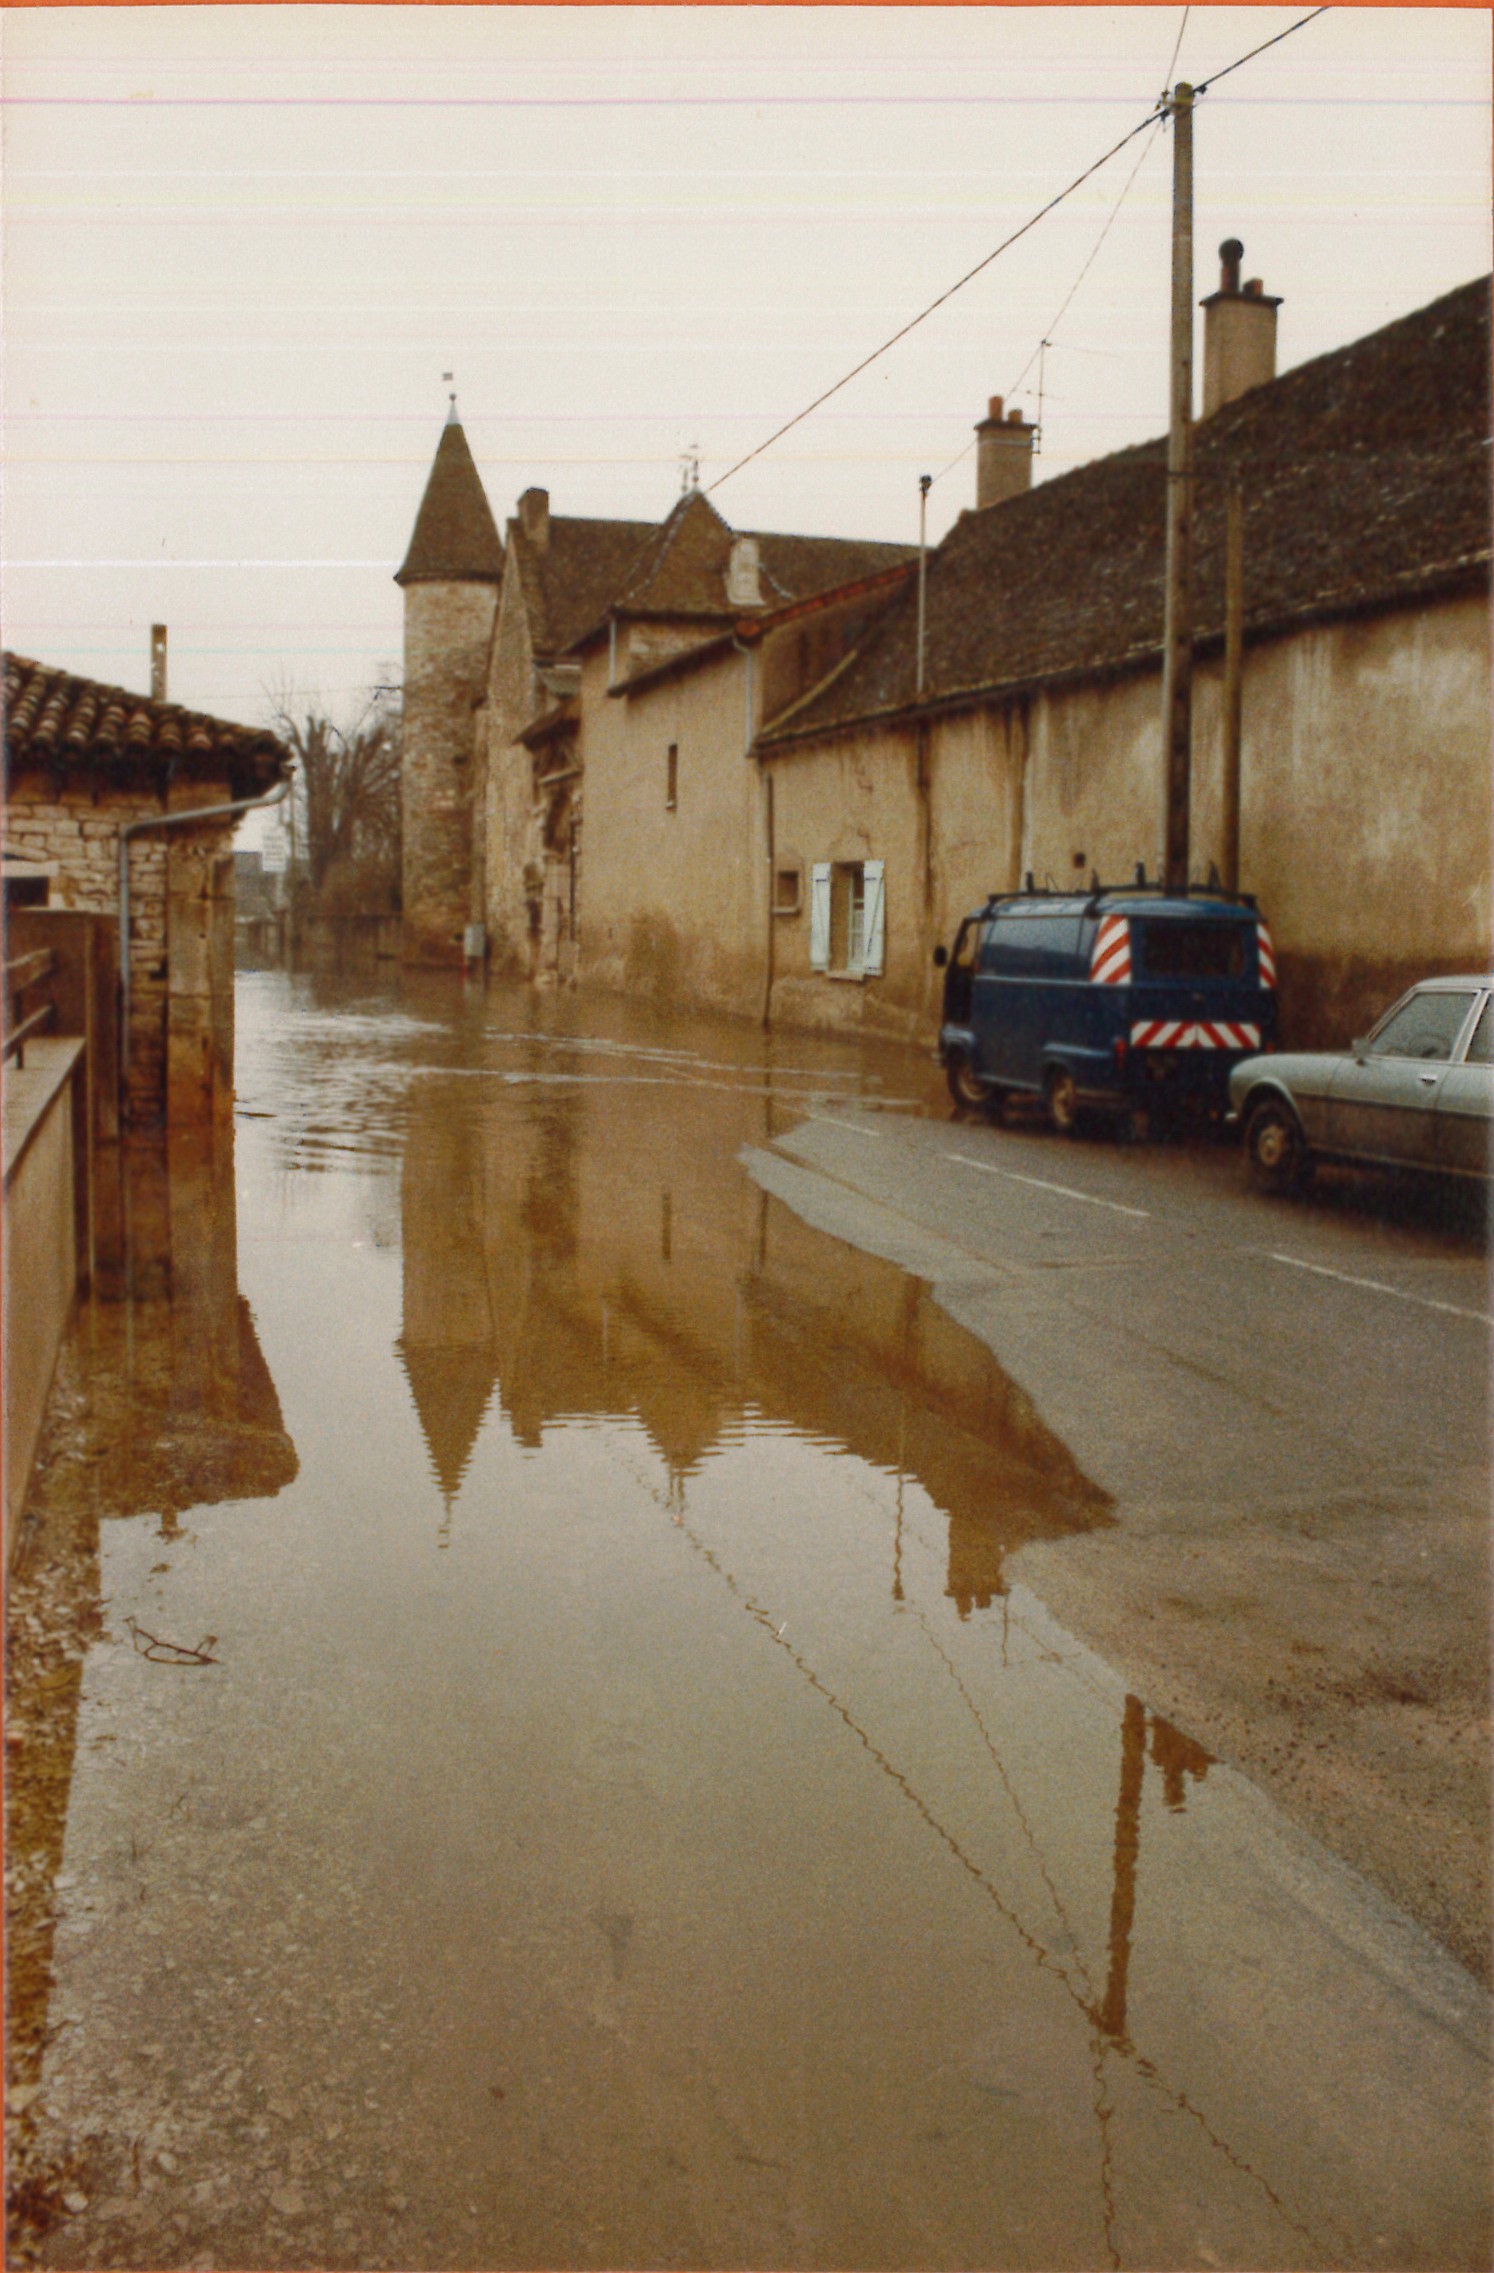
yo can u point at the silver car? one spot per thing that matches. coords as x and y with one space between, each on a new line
1416 1092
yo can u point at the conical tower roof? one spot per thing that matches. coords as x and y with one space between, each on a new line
456 539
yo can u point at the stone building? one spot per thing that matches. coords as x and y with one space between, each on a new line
88 767
510 647
831 810
1035 744
450 576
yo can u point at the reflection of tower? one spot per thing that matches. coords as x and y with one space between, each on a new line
1178 1757
447 1341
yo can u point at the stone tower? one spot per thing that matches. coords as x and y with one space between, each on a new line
450 579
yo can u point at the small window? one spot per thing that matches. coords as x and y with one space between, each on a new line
788 887
672 778
847 923
1425 1027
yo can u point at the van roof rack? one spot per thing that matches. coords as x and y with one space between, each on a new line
1092 893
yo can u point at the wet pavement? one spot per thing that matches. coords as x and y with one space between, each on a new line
527 1749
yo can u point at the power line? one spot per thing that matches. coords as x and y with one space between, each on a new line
1154 117
924 313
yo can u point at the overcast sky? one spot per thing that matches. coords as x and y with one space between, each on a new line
242 245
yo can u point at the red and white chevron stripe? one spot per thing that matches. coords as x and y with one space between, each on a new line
1178 1034
1265 952
1110 957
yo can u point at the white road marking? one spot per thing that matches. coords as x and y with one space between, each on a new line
854 1129
988 1169
1378 1286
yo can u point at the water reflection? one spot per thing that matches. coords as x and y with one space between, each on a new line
712 1855
560 1247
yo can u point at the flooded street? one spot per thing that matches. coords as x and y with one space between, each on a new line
561 1770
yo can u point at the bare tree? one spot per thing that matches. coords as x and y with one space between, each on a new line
348 799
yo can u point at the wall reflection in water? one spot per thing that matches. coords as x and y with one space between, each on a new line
579 1253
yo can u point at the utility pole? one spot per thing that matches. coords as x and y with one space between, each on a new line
1234 676
925 484
1177 628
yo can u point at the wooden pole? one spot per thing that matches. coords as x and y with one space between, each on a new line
1234 672
1177 631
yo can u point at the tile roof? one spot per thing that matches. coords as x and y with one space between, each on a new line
1366 480
455 539
680 570
60 724
570 582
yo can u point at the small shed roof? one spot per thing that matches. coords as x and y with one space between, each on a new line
76 730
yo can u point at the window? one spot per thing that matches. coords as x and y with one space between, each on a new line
1184 949
672 778
788 886
846 918
1480 1050
1425 1027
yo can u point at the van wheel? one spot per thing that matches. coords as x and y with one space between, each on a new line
1275 1148
965 1085
1062 1096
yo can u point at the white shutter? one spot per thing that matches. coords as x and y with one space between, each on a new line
875 925
819 916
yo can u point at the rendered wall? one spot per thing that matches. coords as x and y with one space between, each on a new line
447 632
1365 815
675 901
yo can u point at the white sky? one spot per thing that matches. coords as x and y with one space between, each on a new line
241 246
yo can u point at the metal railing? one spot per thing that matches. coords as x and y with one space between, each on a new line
22 974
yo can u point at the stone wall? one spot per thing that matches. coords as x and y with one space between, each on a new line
180 1042
448 628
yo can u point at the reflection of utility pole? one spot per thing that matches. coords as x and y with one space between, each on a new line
1112 2013
1177 629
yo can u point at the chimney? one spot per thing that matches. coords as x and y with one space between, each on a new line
158 662
1003 465
743 589
1239 333
534 517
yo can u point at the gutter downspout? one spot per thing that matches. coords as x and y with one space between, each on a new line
160 822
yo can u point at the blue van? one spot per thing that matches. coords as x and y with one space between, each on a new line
1129 999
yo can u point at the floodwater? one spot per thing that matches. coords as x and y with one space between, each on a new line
565 1774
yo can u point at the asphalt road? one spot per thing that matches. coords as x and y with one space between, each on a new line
1288 1402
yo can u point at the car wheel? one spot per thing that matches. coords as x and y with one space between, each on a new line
1275 1148
1062 1096
965 1085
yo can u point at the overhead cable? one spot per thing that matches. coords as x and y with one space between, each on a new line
1154 116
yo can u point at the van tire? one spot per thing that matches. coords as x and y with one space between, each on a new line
1276 1148
965 1085
1061 1095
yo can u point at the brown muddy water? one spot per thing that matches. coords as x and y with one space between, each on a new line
528 1748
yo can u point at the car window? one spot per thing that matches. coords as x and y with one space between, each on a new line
1425 1027
1481 1048
1183 948
1025 945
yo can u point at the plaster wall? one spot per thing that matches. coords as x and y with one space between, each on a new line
448 628
675 898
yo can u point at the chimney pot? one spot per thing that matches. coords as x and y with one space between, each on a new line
1014 418
1254 288
994 410
158 662
1231 253
534 517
